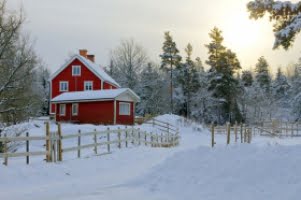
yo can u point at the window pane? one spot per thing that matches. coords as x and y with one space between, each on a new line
124 109
63 86
75 70
74 109
88 85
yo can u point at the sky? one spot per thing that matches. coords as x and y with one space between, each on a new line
60 27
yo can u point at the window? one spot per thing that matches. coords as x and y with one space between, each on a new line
124 108
88 85
63 86
75 109
62 109
76 70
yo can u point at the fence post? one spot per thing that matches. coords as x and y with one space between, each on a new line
157 139
132 135
235 132
95 141
59 142
78 143
126 136
286 132
27 148
249 135
47 141
108 140
50 147
241 133
228 132
212 135
245 135
292 130
152 138
53 146
168 128
139 136
5 148
145 138
119 138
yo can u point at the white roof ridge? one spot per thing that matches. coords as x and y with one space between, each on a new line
93 95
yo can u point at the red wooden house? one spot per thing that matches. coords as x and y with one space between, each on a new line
82 92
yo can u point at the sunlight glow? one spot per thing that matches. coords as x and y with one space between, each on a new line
240 32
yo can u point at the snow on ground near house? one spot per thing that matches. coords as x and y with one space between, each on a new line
269 168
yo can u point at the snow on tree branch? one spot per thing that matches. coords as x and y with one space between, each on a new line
286 16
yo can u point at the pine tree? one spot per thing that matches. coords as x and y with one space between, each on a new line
170 58
247 78
151 92
199 65
223 86
188 82
280 85
263 77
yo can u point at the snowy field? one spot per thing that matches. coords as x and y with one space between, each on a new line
269 168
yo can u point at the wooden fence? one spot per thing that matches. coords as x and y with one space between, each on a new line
278 129
237 131
54 149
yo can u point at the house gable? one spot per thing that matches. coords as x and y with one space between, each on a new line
97 70
76 83
88 71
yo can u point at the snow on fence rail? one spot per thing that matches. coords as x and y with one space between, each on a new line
55 150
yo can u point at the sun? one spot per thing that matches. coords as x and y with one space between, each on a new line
240 32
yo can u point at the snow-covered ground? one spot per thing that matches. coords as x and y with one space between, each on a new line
269 168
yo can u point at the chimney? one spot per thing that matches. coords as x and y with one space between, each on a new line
91 58
83 52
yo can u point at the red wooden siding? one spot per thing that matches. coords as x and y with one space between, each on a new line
76 83
108 86
89 112
125 119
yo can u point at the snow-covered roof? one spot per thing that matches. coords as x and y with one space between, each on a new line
94 95
96 69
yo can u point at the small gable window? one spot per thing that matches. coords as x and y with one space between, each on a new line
88 85
76 70
124 108
64 86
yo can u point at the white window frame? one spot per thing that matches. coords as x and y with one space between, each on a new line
121 112
86 83
74 113
67 86
73 68
62 108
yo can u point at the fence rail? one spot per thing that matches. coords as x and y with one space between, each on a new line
54 141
